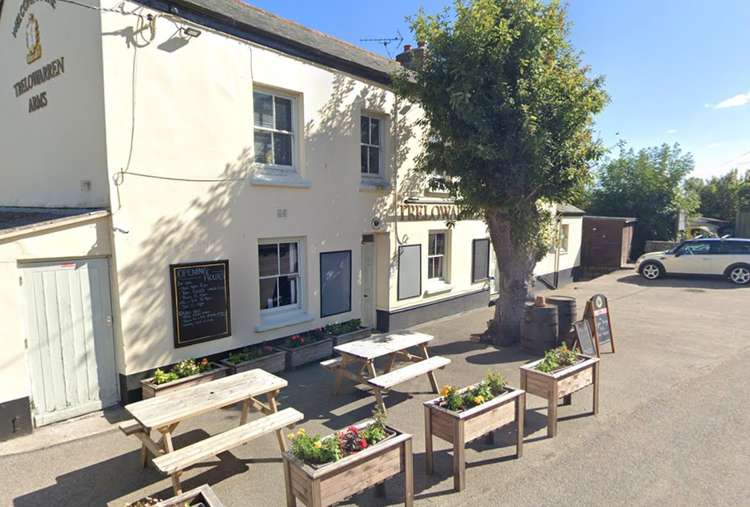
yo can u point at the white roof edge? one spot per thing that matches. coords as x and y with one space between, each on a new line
52 224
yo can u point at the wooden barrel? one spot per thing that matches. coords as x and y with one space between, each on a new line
567 314
539 328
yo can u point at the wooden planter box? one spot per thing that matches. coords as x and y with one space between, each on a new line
460 428
561 384
149 389
202 495
309 353
359 334
272 363
334 482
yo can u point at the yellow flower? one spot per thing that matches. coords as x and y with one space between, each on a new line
445 390
479 399
301 431
291 436
318 444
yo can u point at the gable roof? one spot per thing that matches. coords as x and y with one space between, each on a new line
237 18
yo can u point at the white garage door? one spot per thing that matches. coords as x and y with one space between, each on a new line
70 347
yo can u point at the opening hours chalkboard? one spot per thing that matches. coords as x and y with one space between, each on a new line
200 301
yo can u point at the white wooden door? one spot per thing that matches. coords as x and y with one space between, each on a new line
368 284
70 345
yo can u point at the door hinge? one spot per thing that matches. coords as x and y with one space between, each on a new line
26 343
20 281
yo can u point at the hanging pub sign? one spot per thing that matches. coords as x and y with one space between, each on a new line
200 302
584 339
600 319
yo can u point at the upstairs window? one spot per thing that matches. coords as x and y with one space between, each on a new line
273 119
370 146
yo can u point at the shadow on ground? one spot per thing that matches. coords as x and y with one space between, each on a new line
696 283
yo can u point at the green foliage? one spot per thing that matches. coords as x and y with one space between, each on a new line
249 353
557 358
647 185
306 338
457 400
343 327
375 432
508 108
182 369
722 196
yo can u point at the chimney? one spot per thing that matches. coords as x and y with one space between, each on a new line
410 57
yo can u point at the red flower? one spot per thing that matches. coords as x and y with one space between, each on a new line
353 429
301 341
363 443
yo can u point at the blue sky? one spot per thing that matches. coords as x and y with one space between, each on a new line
676 70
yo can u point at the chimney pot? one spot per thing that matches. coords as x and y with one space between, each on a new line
407 48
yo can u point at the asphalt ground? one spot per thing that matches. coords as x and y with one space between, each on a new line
672 426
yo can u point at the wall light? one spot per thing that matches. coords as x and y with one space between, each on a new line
191 32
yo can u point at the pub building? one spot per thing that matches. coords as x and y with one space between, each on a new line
204 176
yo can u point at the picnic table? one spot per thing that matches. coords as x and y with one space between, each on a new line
165 413
361 354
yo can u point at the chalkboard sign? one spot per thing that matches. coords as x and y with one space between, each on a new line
584 338
200 302
597 312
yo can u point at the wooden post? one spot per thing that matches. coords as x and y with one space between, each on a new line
408 474
340 373
245 409
271 398
520 413
459 458
431 374
315 500
291 501
427 441
596 387
552 411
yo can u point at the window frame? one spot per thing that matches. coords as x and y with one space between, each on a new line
293 168
380 174
474 243
320 267
443 257
563 246
300 304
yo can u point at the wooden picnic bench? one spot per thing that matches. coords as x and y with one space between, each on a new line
165 413
361 354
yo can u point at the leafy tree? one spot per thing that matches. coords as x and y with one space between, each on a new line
722 196
508 110
649 185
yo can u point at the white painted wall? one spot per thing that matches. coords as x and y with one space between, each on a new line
90 238
47 154
569 259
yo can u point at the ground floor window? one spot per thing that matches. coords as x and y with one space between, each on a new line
335 282
564 232
436 256
409 271
480 263
280 275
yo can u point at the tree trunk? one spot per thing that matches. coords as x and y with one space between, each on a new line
516 265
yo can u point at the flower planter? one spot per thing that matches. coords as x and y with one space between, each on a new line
359 334
329 484
202 495
460 428
561 383
272 363
149 389
312 352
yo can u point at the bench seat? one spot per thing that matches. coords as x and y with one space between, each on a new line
131 426
331 364
176 461
388 380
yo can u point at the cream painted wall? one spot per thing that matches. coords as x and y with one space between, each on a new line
569 259
193 125
49 154
459 258
82 240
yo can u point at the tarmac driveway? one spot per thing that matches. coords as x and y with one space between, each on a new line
672 427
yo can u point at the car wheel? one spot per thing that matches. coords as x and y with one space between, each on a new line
651 271
740 275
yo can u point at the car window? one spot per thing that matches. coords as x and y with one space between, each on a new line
737 247
695 248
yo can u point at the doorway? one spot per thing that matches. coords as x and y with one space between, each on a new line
69 340
368 282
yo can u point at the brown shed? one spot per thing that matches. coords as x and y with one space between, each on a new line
606 241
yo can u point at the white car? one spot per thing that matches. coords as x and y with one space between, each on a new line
727 257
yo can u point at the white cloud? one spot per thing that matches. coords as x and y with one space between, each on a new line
671 131
738 100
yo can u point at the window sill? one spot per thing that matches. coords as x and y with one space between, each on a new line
374 184
437 287
282 319
277 177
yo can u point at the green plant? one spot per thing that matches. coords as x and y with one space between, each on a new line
306 338
314 449
456 400
375 432
343 327
557 358
249 353
182 369
162 377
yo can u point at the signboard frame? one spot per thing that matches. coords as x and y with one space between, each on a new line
178 341
586 330
597 306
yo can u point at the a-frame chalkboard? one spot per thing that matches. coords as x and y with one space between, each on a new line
585 341
600 319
